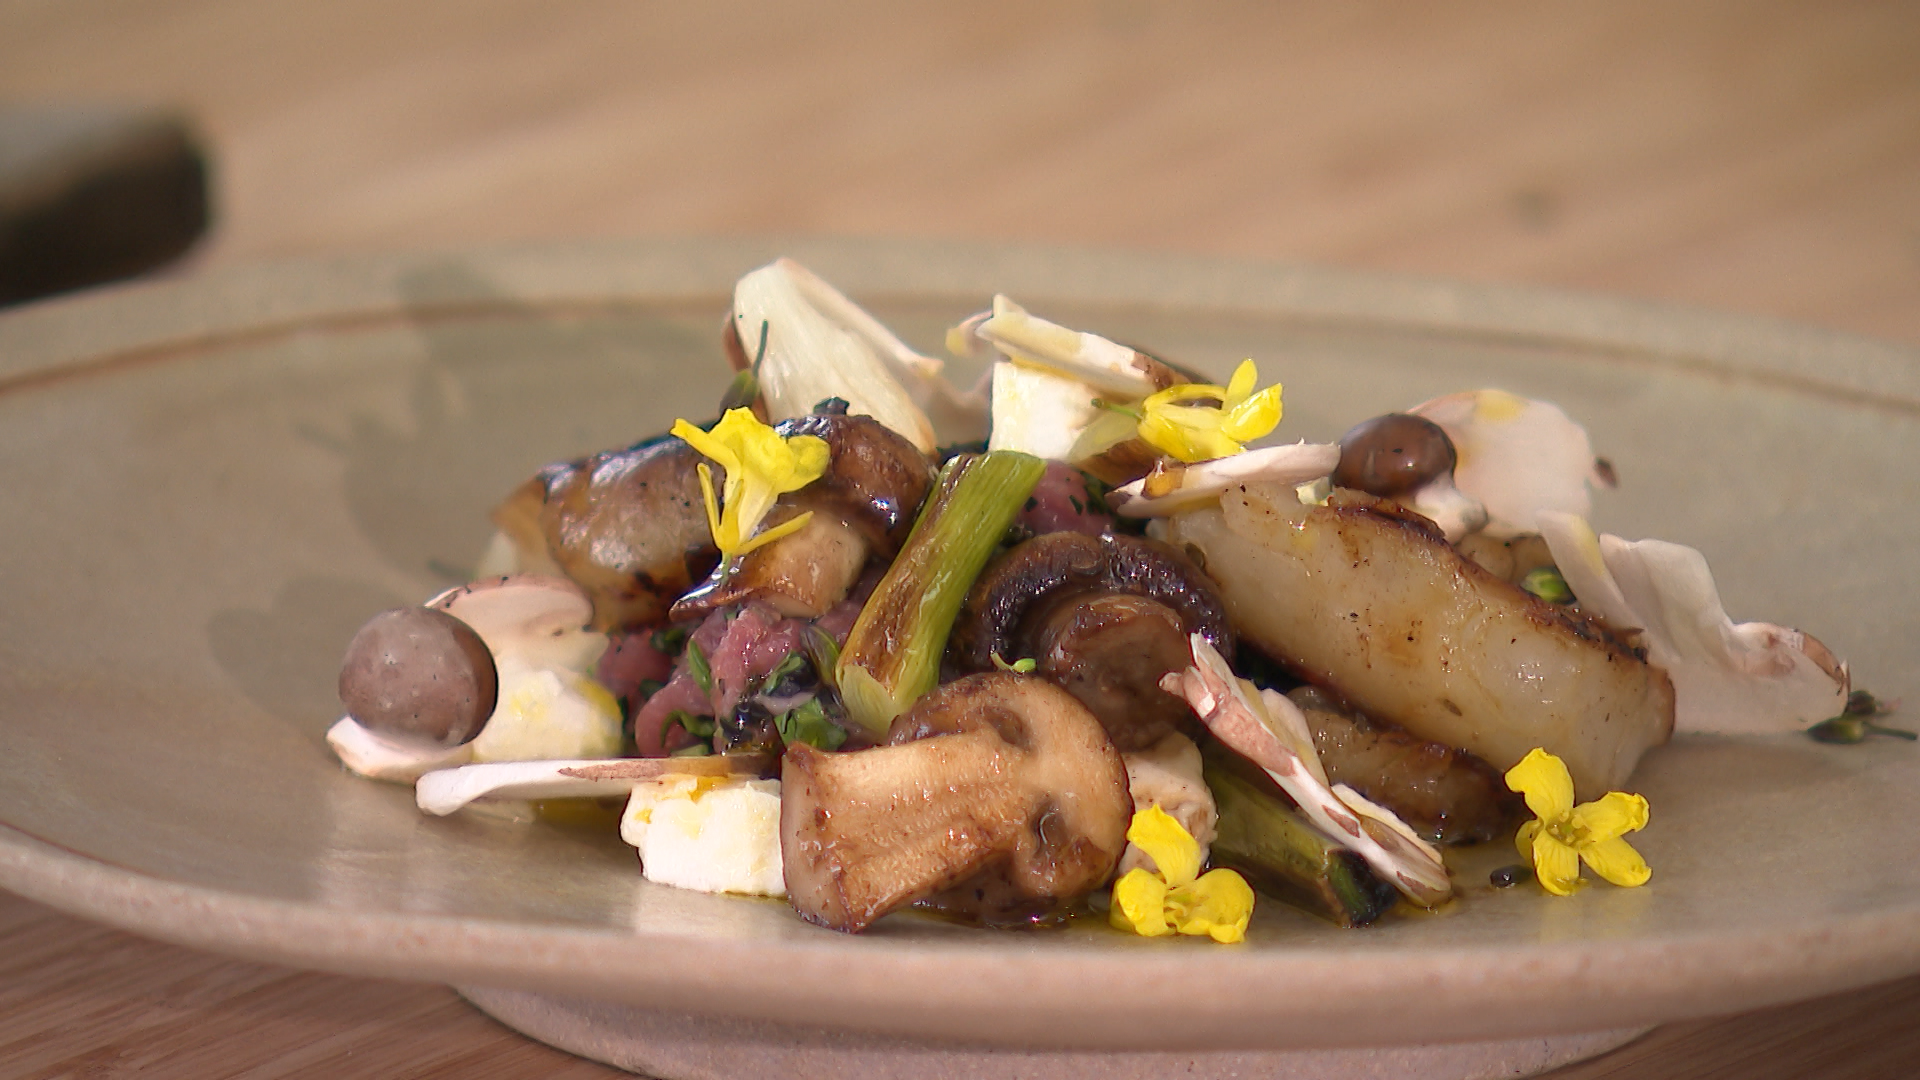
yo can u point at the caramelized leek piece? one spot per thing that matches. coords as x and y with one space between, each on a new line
1283 856
892 655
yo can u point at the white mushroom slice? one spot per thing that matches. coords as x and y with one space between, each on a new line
443 791
537 619
1516 456
377 759
1038 411
1116 371
1168 775
1728 678
1183 487
821 345
1370 831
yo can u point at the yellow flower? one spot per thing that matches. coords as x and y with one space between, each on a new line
1173 900
1195 432
1564 835
761 466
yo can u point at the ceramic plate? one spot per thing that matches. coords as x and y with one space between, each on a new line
208 485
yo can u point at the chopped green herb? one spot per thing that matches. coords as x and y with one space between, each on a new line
671 640
700 727
1024 665
697 667
1855 722
789 666
809 724
824 651
1546 583
698 749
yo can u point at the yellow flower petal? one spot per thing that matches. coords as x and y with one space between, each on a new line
767 536
1613 815
1175 853
1255 416
1615 860
1524 840
1240 387
1555 864
1218 904
1140 904
1545 782
761 466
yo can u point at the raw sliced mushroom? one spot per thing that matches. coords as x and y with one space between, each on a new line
864 504
1116 372
1392 849
1728 678
820 345
443 791
628 525
1177 487
990 772
533 618
1517 457
376 758
1102 616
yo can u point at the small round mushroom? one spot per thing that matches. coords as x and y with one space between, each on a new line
419 678
864 504
990 771
1393 455
1103 617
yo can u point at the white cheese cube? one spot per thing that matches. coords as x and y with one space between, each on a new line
708 835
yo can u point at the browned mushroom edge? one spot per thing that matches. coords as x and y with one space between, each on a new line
1104 617
863 506
627 525
997 773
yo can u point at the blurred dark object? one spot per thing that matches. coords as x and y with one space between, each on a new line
94 194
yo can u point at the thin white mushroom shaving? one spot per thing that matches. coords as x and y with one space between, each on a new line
446 790
377 759
1114 371
1728 678
1183 487
822 345
1241 719
1516 457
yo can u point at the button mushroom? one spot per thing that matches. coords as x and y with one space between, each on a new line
864 504
994 770
418 678
1102 616
628 525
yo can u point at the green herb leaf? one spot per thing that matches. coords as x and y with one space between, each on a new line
698 749
700 727
671 640
697 667
791 665
1023 666
808 723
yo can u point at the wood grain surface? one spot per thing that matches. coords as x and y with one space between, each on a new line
1755 157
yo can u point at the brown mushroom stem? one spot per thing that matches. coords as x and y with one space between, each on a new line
991 771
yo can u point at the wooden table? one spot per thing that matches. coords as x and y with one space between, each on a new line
1763 158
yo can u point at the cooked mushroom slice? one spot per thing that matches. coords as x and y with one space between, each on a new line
1446 795
864 504
1375 605
1103 616
991 770
443 791
628 525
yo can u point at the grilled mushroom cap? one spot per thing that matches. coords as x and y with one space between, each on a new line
864 504
1102 616
628 525
994 770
